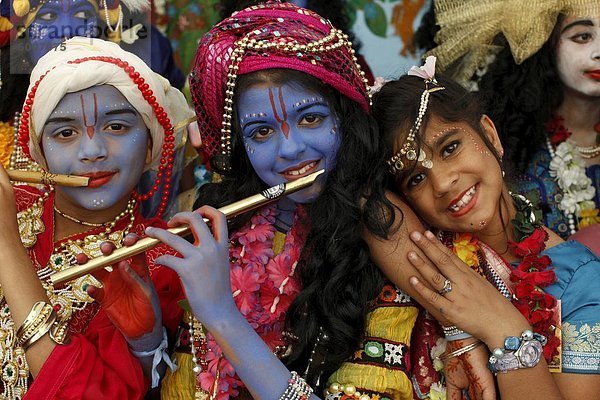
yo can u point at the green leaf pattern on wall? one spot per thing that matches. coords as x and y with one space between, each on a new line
375 17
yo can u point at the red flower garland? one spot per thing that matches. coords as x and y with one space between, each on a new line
263 285
531 275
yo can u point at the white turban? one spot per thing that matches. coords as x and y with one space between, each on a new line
62 78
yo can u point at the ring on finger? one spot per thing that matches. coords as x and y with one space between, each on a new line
447 288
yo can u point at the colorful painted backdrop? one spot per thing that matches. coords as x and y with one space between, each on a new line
385 28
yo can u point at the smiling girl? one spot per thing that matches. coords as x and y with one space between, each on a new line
287 301
541 87
445 161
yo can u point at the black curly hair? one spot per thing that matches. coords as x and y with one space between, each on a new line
424 37
520 99
338 278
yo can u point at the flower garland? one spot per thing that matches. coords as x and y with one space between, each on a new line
530 276
263 286
568 168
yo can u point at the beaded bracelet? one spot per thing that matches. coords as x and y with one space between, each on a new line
452 333
523 351
297 389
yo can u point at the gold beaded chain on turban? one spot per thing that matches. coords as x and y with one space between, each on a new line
261 37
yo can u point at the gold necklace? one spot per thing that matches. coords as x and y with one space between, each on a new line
78 221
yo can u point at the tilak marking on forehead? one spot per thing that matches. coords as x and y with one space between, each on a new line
89 128
65 5
285 127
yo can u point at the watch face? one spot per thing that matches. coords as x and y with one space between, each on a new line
530 353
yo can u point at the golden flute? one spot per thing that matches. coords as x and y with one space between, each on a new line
47 178
231 210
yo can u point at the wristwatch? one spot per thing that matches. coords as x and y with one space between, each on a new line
519 352
530 353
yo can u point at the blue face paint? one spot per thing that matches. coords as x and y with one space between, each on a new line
97 133
57 20
289 132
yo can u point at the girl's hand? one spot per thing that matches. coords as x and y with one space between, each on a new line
469 301
129 299
469 371
204 268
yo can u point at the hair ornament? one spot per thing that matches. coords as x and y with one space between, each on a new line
426 71
409 150
378 84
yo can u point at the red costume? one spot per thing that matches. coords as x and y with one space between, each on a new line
97 362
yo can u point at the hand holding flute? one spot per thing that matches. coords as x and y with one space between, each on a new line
239 207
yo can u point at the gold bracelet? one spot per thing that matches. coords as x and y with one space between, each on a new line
40 319
31 317
40 331
462 350
59 331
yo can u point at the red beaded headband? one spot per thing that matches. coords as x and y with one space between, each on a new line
161 115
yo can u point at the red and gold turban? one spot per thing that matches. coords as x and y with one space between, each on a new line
265 36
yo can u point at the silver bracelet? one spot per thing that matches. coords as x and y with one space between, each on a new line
462 350
453 333
297 389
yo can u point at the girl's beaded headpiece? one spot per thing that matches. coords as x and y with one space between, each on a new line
409 150
266 36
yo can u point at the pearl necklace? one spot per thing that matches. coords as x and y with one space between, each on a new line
589 151
570 216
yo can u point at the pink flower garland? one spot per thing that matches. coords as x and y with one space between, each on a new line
263 287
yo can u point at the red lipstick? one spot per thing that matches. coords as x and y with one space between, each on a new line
594 74
98 179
